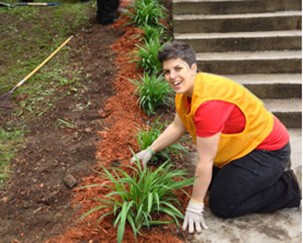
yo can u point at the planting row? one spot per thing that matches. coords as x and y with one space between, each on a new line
140 196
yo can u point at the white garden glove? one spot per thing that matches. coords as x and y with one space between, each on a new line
194 219
144 156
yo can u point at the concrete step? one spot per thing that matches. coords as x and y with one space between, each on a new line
242 41
233 6
250 62
271 86
289 111
196 23
256 43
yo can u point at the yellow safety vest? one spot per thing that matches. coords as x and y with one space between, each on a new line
259 121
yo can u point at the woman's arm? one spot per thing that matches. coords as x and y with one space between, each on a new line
207 149
170 135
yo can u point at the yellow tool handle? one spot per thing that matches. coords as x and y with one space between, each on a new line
45 61
38 4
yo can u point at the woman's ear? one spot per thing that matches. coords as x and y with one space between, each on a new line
194 67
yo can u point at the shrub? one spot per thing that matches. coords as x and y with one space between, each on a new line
153 92
140 195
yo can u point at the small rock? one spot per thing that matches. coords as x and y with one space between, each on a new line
5 199
69 181
115 163
88 130
76 135
25 204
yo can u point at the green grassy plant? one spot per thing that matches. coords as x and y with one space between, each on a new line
145 137
147 12
147 56
153 92
141 195
10 142
154 33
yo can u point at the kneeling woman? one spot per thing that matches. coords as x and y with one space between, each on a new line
243 149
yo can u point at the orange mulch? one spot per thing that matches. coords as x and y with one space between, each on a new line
122 118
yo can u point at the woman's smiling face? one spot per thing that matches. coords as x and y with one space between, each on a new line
180 75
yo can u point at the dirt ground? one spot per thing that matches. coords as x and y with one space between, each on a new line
42 200
36 204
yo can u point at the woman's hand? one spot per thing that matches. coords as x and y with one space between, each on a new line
144 156
194 219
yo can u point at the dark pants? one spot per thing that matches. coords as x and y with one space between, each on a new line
256 183
107 11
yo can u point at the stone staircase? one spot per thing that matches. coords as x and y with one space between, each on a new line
254 42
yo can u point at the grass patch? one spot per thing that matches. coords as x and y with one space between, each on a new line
31 34
9 145
28 35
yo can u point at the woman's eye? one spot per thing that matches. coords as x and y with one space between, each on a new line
166 72
178 69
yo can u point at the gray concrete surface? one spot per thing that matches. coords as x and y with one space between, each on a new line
279 227
258 42
234 6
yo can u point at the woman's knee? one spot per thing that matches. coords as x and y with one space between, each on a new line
222 206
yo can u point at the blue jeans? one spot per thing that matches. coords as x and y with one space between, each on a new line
255 183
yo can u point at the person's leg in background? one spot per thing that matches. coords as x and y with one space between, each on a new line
107 11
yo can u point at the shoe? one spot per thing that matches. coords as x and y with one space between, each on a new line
298 174
106 19
288 165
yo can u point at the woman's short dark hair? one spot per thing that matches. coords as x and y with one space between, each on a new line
176 49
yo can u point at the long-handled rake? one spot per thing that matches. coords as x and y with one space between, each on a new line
2 4
5 99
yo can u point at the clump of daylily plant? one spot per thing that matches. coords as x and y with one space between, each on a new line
141 195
